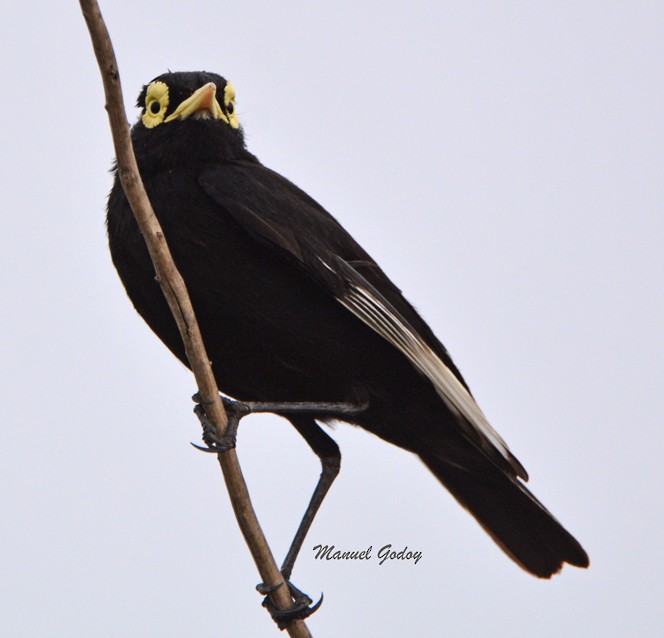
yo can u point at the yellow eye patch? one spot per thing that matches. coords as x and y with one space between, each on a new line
229 105
156 103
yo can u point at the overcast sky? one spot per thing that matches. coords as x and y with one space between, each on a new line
502 161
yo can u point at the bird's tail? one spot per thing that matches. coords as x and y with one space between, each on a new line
513 517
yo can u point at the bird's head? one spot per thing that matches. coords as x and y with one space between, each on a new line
187 119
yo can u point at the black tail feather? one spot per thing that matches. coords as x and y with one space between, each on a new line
520 525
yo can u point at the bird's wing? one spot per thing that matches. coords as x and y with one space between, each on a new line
275 211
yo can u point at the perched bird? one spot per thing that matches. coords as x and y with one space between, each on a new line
292 309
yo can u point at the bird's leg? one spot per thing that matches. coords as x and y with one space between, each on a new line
310 408
328 453
330 457
235 410
301 415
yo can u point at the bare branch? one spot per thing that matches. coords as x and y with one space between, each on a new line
175 292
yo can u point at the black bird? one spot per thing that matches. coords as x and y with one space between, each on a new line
292 309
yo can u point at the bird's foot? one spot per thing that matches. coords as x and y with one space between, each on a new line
235 410
302 604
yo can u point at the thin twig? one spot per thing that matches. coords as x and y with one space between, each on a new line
175 292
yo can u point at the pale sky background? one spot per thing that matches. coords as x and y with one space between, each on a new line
503 161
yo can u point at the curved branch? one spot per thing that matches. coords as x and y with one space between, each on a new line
175 292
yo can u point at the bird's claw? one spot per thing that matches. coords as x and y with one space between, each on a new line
266 590
215 444
214 448
302 604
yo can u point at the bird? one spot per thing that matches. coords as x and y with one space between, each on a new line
293 310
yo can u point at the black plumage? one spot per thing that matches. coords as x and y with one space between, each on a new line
291 309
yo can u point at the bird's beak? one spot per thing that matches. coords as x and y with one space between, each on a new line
202 100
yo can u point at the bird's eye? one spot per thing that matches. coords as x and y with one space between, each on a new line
156 103
229 105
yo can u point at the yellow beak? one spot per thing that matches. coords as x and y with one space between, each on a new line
204 99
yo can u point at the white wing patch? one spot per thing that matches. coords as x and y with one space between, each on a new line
373 312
